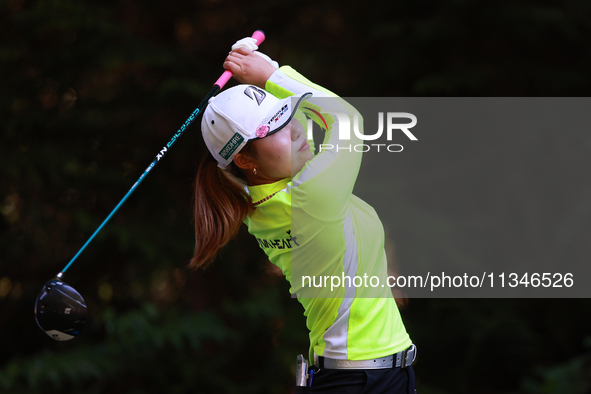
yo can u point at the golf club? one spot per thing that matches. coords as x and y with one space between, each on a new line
60 311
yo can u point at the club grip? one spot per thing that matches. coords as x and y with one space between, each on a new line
259 36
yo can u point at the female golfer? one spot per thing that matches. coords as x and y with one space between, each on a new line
262 171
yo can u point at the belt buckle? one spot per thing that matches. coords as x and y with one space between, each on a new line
410 355
406 357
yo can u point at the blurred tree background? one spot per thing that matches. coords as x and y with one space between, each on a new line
91 90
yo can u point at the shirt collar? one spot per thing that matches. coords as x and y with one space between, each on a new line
260 192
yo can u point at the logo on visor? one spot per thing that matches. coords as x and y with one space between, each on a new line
259 95
231 146
275 118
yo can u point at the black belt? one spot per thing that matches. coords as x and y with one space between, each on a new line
402 359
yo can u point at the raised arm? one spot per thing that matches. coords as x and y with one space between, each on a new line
324 185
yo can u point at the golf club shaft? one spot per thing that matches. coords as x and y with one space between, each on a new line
259 36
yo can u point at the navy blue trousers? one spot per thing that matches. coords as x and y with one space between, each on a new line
365 381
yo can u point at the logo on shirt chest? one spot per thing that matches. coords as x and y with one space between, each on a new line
280 243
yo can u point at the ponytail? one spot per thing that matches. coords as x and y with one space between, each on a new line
221 204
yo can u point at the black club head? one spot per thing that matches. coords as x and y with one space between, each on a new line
60 311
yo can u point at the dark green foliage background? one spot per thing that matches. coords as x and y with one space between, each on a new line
91 90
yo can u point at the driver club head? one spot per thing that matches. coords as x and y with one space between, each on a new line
60 311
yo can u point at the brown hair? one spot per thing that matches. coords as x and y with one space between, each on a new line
220 206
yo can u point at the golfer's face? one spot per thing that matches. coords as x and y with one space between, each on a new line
283 154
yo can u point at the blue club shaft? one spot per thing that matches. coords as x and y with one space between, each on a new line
159 156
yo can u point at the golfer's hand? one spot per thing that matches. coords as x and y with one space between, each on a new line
248 67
